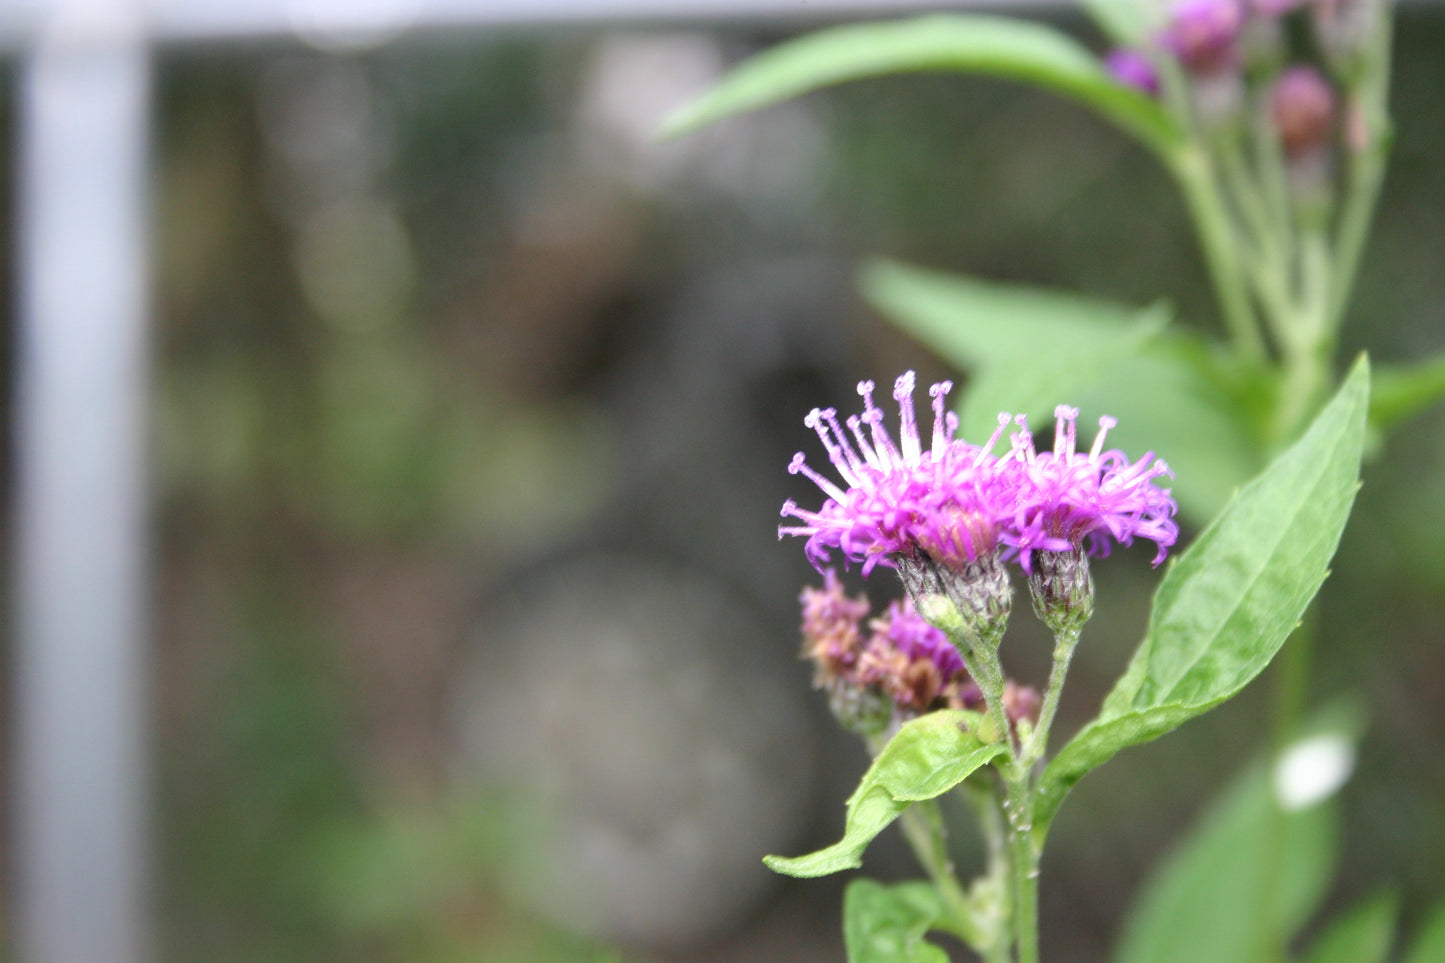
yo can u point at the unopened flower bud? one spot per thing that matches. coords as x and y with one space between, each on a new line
1302 106
972 599
1062 589
1133 69
1204 34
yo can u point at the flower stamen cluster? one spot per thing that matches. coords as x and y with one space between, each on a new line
1067 499
956 504
900 498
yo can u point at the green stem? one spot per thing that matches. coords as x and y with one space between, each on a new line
923 828
1064 644
1195 174
990 894
1024 851
1366 169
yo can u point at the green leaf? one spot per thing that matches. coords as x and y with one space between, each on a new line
1226 605
996 46
1429 945
929 756
1127 22
1247 875
1362 935
887 924
1401 392
1029 349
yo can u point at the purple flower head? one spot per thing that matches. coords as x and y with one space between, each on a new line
948 501
1204 34
916 638
1133 69
1067 499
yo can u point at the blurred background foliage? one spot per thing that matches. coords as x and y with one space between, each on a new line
473 405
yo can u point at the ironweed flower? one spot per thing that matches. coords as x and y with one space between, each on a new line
947 502
1068 500
904 667
913 662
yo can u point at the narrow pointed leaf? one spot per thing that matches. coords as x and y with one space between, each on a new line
887 924
928 757
995 46
1226 605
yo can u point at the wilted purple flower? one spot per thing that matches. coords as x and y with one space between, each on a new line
946 502
1204 34
832 628
1302 106
1068 500
1133 69
914 663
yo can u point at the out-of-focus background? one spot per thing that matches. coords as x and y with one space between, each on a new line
471 636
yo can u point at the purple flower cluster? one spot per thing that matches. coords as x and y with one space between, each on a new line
902 658
955 502
901 668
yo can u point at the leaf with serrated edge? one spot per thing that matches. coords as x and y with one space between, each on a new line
1226 605
887 924
972 43
928 757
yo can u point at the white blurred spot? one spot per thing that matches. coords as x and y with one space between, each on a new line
1312 770
337 25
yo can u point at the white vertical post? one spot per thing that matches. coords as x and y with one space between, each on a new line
80 563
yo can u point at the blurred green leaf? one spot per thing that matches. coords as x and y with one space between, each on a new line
1429 945
1247 875
929 756
1401 392
997 46
1362 935
1029 350
1226 605
1127 22
887 924
1168 401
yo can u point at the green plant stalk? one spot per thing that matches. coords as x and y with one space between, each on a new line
1194 173
1024 851
923 828
1065 643
995 838
1366 169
